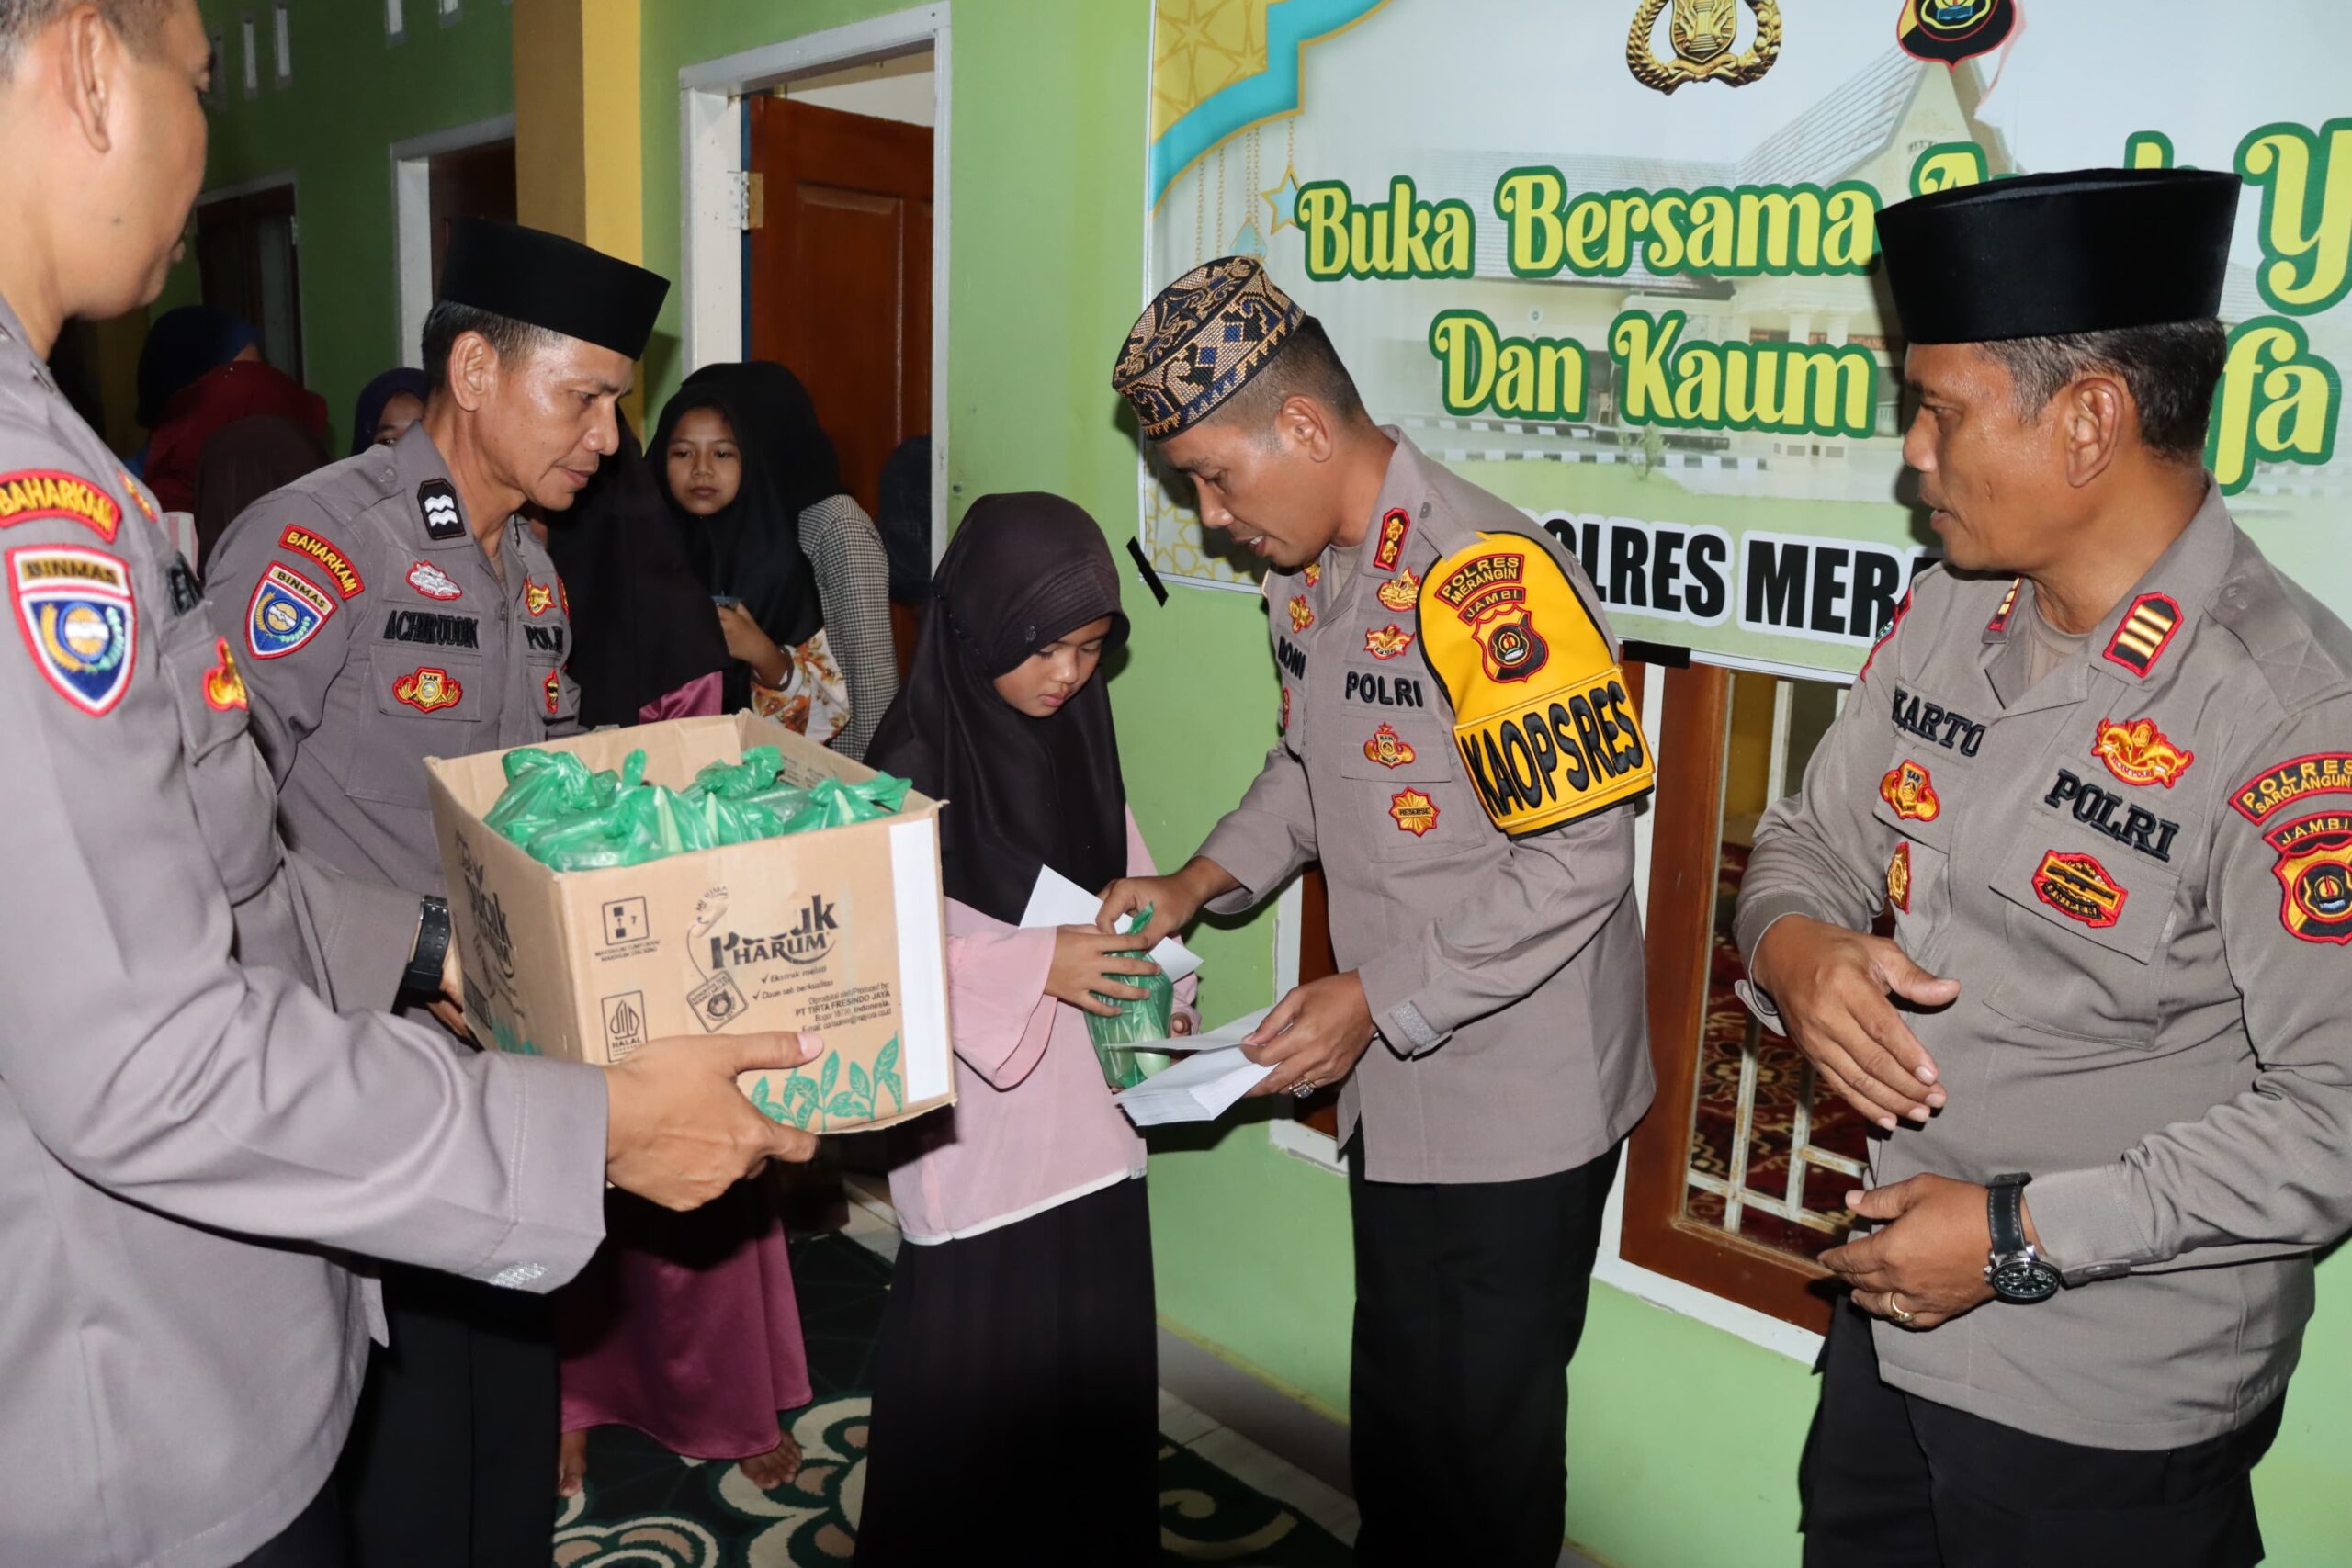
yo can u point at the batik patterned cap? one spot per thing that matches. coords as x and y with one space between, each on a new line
1201 341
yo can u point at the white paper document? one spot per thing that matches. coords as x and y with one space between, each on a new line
1059 901
1203 1086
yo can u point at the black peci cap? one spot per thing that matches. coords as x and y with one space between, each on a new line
2045 255
546 280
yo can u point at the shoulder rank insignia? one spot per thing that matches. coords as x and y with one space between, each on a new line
537 598
31 495
437 502
2140 753
427 690
224 688
2000 621
2144 634
1400 593
286 612
1540 715
1391 548
75 609
2315 868
347 581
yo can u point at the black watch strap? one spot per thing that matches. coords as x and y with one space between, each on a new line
423 973
2005 1205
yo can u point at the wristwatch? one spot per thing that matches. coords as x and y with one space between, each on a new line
422 975
2016 1270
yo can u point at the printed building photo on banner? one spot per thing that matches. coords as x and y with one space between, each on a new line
1617 263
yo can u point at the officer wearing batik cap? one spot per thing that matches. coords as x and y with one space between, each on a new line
204 1110
2099 774
396 606
1458 750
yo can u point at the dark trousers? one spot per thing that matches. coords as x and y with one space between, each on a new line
1470 1299
314 1541
453 1452
1894 1481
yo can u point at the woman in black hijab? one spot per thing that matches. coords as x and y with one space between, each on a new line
386 406
644 646
794 565
1021 1312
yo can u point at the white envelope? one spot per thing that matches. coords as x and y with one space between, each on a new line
1059 901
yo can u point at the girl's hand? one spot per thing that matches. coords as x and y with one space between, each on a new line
747 642
1082 958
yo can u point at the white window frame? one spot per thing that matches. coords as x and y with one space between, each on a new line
710 144
413 218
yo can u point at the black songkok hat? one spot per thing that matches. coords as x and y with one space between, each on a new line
2044 255
546 280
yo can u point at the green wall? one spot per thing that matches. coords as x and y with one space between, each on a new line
1684 1439
354 94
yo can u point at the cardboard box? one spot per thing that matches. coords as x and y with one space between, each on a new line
841 930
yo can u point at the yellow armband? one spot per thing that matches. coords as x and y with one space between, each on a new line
1539 711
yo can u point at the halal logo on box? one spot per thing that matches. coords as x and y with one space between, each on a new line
624 1024
811 937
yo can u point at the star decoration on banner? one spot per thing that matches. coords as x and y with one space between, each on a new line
1201 47
1284 199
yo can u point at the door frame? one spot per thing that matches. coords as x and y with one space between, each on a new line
280 179
412 219
710 143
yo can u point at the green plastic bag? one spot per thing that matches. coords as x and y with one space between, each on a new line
833 803
743 780
545 787
1144 1018
644 824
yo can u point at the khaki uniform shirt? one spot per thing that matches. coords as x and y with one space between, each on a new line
1505 975
375 633
2140 871
188 1124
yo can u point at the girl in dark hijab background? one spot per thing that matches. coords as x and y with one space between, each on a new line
683 1327
386 406
793 565
1021 1309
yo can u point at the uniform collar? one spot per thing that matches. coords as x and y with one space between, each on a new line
12 329
2139 636
423 479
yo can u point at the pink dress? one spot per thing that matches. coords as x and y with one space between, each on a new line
1032 1125
685 1327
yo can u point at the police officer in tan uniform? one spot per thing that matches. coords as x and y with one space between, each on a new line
2100 773
394 606
1458 750
201 1115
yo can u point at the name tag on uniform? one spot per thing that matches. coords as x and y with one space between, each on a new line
1539 709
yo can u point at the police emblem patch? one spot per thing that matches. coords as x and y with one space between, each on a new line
554 691
29 495
1540 752
286 612
2078 887
2315 870
1388 641
1302 615
1910 789
2144 634
1899 879
1387 748
224 688
2272 790
1391 548
2140 753
347 581
427 690
1400 593
437 502
1414 812
1949 32
537 598
78 617
433 582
